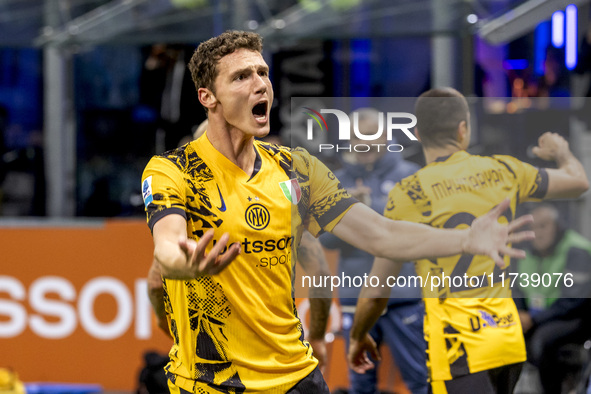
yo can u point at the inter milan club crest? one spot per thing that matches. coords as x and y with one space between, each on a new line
291 190
257 216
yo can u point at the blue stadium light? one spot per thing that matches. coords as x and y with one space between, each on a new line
515 64
558 29
571 37
541 41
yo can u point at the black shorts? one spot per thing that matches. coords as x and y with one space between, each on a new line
312 384
501 380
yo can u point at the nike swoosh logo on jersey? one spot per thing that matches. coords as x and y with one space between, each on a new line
223 207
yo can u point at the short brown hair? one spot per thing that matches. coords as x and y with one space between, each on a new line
203 64
439 112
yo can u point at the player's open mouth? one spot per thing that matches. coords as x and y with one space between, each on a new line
260 112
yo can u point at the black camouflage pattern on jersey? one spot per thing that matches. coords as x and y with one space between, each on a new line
207 304
412 187
322 210
208 311
280 153
198 207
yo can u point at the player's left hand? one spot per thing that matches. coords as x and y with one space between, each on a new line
490 238
357 356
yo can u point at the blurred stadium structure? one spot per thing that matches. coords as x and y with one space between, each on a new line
82 48
95 22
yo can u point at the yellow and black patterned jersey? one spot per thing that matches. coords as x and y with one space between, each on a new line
238 330
469 308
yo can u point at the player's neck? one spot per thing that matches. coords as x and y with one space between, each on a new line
235 146
432 154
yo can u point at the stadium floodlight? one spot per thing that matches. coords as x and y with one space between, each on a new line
571 37
558 29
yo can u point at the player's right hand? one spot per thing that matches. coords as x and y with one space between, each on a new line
357 356
202 263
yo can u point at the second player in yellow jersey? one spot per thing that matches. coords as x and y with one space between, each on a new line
473 331
461 321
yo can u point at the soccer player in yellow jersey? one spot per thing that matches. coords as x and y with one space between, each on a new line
475 343
226 212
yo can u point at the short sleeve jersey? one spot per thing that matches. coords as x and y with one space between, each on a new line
464 317
239 330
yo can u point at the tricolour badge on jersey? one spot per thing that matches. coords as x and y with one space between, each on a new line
291 190
147 190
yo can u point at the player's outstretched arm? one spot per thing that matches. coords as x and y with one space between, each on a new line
404 241
183 258
156 295
569 180
370 305
311 258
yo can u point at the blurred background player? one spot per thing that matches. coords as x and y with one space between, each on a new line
475 343
553 316
369 176
166 88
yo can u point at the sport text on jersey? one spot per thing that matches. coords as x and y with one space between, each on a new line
276 251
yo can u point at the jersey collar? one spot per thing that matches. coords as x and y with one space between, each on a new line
456 156
212 155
